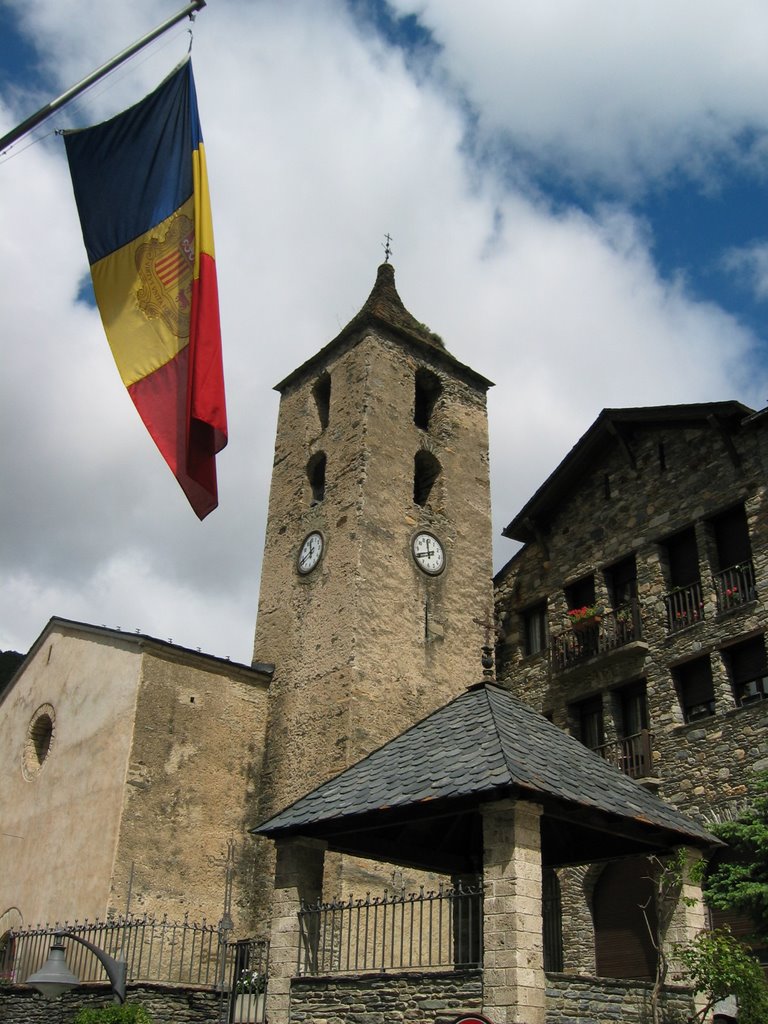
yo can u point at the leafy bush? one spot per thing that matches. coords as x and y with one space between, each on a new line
741 881
128 1013
717 965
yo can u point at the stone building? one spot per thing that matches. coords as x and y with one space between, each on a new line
376 585
634 617
376 603
116 750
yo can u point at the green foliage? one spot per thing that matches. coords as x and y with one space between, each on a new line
128 1013
717 965
741 882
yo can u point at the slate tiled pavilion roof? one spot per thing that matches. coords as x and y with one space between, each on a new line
416 799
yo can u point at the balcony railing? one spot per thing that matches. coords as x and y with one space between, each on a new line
630 754
735 586
684 606
606 632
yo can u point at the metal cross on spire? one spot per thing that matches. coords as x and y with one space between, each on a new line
387 247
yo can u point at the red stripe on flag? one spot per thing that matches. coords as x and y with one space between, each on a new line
207 388
161 401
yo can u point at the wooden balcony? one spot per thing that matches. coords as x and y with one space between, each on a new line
735 586
685 606
631 754
606 632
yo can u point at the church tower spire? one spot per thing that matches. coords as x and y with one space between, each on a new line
377 561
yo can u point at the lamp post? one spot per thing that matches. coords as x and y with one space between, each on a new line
55 977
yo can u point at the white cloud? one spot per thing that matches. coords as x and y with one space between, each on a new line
750 265
319 141
612 91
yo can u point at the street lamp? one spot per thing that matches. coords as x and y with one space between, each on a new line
55 977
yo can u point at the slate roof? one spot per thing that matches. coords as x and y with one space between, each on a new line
613 425
384 308
484 745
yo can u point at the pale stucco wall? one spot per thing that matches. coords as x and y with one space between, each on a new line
193 774
58 828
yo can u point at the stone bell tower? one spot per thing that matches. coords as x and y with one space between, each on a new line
377 563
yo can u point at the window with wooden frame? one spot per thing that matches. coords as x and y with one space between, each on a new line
534 625
748 670
695 689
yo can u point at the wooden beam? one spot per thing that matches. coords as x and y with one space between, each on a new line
614 431
536 530
719 427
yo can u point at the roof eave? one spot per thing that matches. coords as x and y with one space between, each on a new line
559 482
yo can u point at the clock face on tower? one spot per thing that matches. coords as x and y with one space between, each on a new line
310 552
428 553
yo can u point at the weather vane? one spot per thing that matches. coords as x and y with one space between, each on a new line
387 247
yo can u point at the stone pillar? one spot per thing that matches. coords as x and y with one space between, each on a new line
513 952
689 915
298 878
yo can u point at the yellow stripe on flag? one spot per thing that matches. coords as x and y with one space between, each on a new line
144 294
202 207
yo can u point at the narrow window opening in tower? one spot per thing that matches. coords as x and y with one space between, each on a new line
428 390
316 476
321 392
426 469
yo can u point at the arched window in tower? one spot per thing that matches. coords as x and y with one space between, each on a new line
316 476
321 392
426 469
428 390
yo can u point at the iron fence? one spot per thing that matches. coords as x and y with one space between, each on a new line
184 952
427 929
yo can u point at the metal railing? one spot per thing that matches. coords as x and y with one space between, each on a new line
605 632
735 586
630 754
684 607
432 929
154 950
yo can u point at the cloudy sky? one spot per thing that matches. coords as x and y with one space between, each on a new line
576 195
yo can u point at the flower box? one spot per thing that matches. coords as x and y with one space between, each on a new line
249 1008
582 625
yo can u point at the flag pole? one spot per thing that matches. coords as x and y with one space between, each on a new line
35 119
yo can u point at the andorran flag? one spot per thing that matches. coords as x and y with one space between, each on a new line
141 189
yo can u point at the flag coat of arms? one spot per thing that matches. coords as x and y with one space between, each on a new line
141 188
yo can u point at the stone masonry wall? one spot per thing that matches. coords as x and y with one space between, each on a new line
702 765
392 998
166 1004
615 511
366 644
588 1000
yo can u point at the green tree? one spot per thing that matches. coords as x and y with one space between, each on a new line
717 965
740 881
